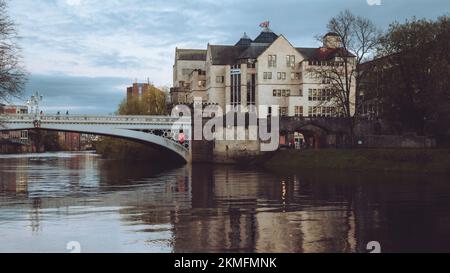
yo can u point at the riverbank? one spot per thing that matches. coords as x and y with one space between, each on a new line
120 149
401 160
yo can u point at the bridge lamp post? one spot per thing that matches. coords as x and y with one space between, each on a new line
33 103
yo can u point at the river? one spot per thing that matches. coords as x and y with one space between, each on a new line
49 200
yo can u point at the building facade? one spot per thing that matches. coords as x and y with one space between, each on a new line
189 75
14 141
267 72
13 109
137 90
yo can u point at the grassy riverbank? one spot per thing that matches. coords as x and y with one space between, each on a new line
428 161
119 149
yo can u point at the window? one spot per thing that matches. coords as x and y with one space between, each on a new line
235 87
321 111
279 75
300 92
328 94
283 111
299 111
290 61
267 75
251 89
281 92
295 76
282 75
202 83
220 79
319 94
272 60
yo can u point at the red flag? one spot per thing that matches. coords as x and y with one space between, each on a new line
264 24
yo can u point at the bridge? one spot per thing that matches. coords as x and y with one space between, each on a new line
162 132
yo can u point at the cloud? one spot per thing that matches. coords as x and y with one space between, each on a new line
73 2
136 39
79 95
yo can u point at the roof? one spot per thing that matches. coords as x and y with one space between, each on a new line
223 55
331 34
323 53
253 51
308 52
245 49
244 41
266 37
191 54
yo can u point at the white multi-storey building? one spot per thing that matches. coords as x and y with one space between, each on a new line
268 72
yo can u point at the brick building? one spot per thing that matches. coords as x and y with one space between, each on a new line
137 90
70 141
14 141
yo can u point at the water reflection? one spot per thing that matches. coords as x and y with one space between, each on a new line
111 206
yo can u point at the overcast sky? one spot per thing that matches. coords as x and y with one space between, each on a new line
81 54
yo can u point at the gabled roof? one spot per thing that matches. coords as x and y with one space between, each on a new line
191 54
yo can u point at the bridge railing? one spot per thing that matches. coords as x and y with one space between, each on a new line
96 119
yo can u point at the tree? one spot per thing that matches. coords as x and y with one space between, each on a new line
45 140
152 102
416 71
358 39
12 73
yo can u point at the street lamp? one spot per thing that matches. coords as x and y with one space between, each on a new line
33 103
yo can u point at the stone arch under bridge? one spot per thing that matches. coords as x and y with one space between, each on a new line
318 132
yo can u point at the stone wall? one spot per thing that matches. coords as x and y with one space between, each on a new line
233 151
396 141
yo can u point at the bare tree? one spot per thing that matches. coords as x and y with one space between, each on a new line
12 73
338 70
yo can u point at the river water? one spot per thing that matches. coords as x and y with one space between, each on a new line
52 199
